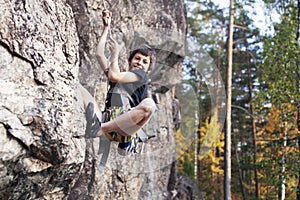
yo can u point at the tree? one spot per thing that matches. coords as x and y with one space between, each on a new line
227 174
204 33
298 75
280 56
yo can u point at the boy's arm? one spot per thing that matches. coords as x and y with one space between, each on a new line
101 44
114 73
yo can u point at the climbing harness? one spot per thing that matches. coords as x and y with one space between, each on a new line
133 144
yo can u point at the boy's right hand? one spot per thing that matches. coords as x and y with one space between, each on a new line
106 17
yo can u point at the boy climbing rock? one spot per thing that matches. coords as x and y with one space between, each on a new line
127 107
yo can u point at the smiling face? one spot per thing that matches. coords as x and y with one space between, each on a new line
140 61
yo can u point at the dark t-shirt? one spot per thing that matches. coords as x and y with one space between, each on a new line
137 90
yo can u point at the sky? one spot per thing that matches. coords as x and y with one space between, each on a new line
258 14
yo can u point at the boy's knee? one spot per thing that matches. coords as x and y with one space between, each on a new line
148 105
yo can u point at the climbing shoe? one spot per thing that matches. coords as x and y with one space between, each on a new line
127 148
93 124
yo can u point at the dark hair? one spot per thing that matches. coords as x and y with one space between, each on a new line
146 51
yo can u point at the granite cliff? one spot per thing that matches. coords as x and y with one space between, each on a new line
48 47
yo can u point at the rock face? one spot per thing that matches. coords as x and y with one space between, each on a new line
47 48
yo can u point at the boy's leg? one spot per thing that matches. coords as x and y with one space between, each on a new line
125 124
87 98
92 113
130 122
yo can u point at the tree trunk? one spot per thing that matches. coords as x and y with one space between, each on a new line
283 160
257 189
239 169
199 170
298 120
253 125
227 170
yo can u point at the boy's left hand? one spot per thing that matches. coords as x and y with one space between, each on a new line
115 46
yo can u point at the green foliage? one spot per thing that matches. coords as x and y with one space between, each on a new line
279 65
188 167
279 56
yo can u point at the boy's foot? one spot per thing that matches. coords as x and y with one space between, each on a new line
128 148
93 124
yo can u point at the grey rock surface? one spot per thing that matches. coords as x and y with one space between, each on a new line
46 49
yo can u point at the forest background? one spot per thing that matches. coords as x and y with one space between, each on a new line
265 97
